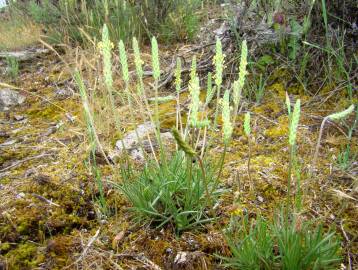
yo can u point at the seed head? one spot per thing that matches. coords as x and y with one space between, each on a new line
155 59
183 144
178 76
218 63
194 89
342 114
107 54
236 93
124 61
193 69
210 91
227 125
243 64
137 59
294 123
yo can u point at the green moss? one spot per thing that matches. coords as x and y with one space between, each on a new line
24 256
50 112
4 247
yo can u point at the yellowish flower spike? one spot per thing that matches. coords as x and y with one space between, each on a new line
193 69
243 64
236 94
218 63
178 76
247 127
124 61
210 90
294 123
155 59
194 89
137 59
227 125
342 114
183 144
107 57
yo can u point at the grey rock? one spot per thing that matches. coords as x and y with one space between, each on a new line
19 117
7 143
9 98
162 100
131 141
63 93
25 55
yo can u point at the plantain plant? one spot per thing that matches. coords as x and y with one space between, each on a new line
180 188
287 243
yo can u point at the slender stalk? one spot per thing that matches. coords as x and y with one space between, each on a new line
318 143
205 181
221 164
204 142
249 162
289 175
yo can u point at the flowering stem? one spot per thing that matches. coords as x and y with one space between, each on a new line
249 162
204 180
221 163
291 150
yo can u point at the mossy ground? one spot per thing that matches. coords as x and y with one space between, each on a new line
48 204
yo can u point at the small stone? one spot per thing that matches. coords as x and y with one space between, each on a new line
118 239
7 143
29 172
9 98
20 195
260 199
70 117
4 134
63 93
42 179
181 258
132 139
19 117
24 55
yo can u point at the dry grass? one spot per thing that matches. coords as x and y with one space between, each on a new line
17 33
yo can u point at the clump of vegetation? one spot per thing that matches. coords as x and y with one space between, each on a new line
283 244
300 245
175 192
77 21
12 67
171 189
